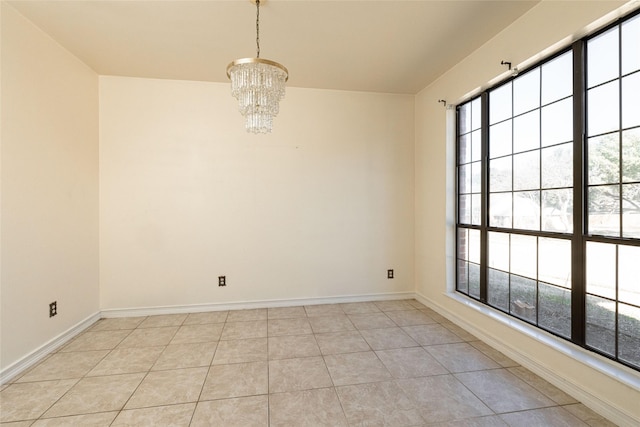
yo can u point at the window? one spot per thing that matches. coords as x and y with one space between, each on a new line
548 171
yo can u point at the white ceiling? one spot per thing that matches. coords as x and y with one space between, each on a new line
380 46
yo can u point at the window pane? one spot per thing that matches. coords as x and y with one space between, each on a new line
629 274
474 246
523 298
631 155
557 78
602 57
500 174
464 178
603 108
630 43
601 269
476 176
557 210
524 255
476 113
604 210
500 104
500 213
629 334
526 92
557 122
464 149
462 284
601 324
631 100
526 210
464 118
526 171
631 210
526 132
464 209
500 139
499 251
554 309
554 262
463 251
476 146
557 166
476 205
498 289
604 159
474 280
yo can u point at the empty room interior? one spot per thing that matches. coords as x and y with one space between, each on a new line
438 224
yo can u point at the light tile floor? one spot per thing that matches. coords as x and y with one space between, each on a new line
388 363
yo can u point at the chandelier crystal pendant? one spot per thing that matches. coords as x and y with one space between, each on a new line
258 85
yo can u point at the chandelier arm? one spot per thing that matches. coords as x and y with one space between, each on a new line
257 28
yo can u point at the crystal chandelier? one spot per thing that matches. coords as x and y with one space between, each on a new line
258 85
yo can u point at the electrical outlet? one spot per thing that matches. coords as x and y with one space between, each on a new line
53 308
389 274
222 280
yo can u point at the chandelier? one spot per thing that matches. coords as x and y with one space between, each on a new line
258 85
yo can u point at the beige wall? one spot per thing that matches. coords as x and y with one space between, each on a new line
49 211
321 207
544 26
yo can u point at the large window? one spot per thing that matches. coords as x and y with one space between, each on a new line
548 172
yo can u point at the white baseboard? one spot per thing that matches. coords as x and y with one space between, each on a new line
598 404
242 305
40 353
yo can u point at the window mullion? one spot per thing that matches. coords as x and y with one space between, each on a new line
484 191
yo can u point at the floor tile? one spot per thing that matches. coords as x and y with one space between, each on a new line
100 340
149 337
410 362
247 315
236 380
443 398
102 419
28 401
488 421
380 339
308 408
461 357
189 334
393 305
494 354
96 394
434 315
206 317
502 391
463 334
543 386
336 323
168 388
240 351
371 321
238 412
556 416
296 326
409 317
588 416
62 366
356 368
431 334
117 323
298 374
163 320
243 330
172 415
341 342
321 310
185 356
286 312
290 346
359 308
127 361
416 304
380 404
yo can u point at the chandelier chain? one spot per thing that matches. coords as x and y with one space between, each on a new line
258 28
